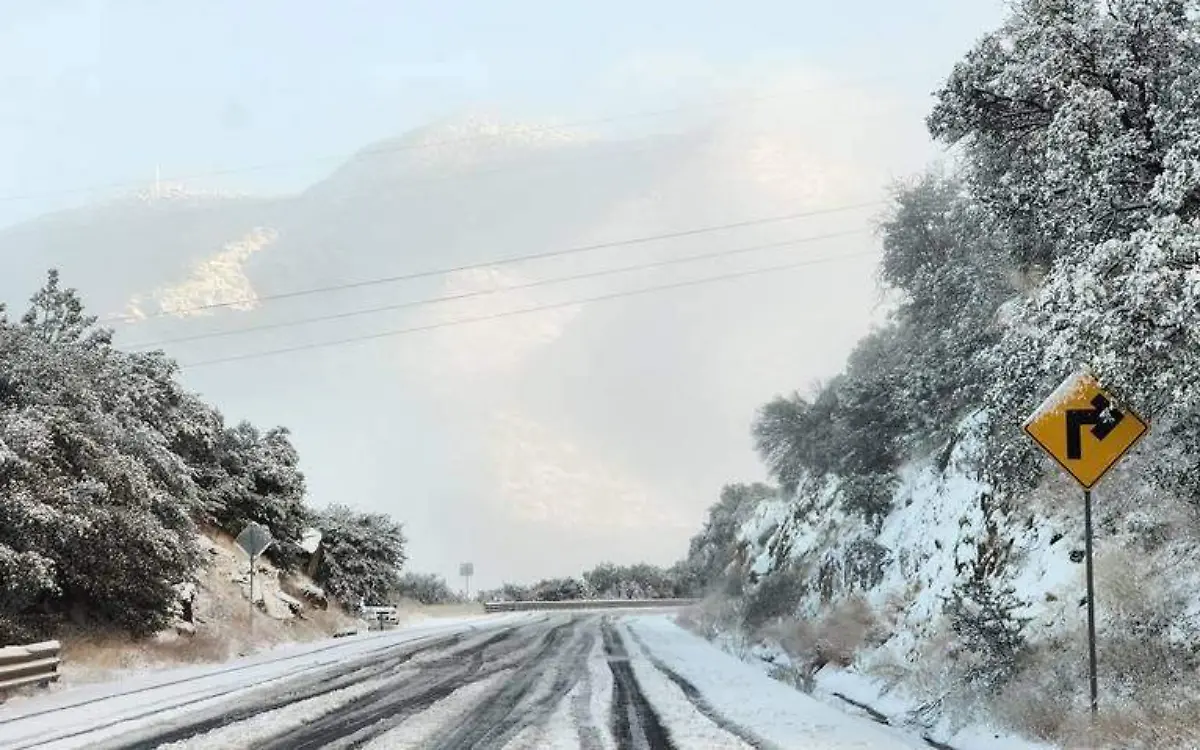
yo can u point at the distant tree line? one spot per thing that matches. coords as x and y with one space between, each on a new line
109 470
605 581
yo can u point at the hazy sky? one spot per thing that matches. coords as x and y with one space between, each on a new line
101 93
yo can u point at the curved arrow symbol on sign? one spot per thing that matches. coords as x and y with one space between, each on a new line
1103 417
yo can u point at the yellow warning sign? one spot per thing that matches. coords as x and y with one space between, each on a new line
1084 428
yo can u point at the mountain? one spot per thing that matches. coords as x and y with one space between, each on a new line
586 432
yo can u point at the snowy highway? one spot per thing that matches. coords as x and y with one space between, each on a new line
582 680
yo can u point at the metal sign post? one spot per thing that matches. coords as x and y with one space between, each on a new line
1091 599
254 540
466 570
1058 427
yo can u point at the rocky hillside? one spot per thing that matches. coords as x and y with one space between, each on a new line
917 537
289 608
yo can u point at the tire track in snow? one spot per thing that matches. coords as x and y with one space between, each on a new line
257 664
418 731
363 720
359 721
307 688
635 723
253 731
590 737
193 698
523 702
701 704
201 699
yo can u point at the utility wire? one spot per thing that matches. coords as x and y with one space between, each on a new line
501 261
486 292
525 310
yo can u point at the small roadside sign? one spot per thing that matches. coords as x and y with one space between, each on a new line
254 539
1084 428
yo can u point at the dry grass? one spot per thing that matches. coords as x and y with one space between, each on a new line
1047 700
1044 694
835 638
1131 728
711 617
718 618
417 610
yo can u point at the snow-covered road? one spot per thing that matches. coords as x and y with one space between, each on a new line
522 681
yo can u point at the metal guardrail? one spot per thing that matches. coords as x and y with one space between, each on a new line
588 604
35 663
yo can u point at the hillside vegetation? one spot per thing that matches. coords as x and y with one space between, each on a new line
110 471
915 533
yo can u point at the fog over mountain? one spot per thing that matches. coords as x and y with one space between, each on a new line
533 444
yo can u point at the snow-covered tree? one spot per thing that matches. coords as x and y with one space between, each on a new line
559 590
426 588
1081 138
92 490
952 276
637 581
363 555
712 551
248 476
106 465
1078 121
985 616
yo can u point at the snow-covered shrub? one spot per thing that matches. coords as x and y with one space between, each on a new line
777 595
834 638
25 577
1039 700
848 627
713 550
426 588
868 495
362 557
1145 637
984 616
713 616
864 564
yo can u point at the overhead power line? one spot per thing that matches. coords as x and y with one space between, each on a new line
486 292
525 310
502 261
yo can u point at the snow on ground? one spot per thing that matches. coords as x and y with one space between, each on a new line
595 711
686 725
424 726
267 725
930 542
158 695
743 695
895 705
891 701
560 732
